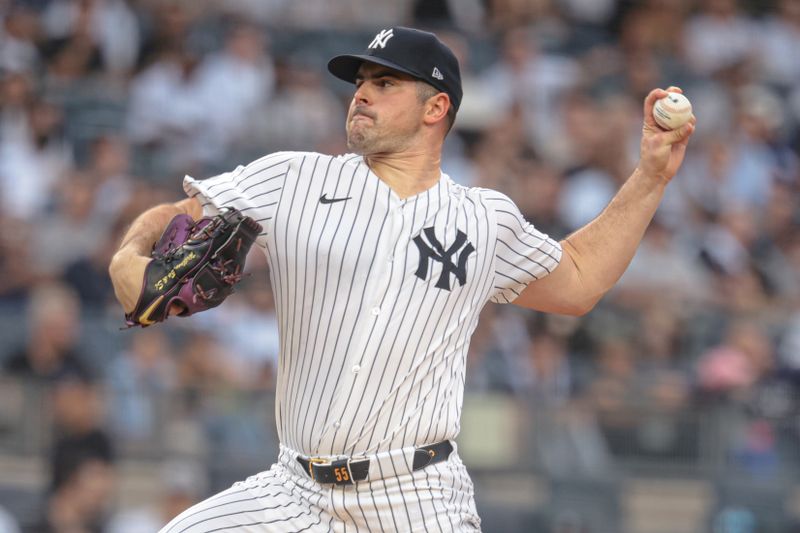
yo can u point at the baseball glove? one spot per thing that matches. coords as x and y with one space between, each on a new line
195 265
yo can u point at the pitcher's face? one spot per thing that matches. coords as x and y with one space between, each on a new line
385 113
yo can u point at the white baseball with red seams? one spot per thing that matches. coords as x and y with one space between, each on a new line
672 111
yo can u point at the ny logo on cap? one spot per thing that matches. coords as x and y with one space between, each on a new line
381 39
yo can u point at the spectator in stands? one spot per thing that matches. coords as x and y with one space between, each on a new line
18 39
79 432
109 25
592 177
236 83
462 14
779 37
726 251
637 415
202 365
340 15
182 484
249 328
166 114
539 195
504 15
613 387
34 156
774 248
139 384
73 58
496 360
531 80
215 395
72 230
17 277
16 96
718 36
665 265
739 166
109 168
298 83
88 273
81 503
50 354
167 25
659 345
743 359
653 29
547 375
81 462
499 149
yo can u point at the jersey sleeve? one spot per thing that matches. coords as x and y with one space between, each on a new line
523 254
254 189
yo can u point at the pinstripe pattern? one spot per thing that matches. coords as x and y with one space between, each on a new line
373 353
270 501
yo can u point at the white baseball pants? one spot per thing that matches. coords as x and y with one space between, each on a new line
437 498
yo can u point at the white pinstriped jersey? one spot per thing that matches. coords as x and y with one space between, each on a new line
376 296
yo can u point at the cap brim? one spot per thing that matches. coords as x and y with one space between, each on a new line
345 67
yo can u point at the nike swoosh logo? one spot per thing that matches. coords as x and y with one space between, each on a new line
144 318
325 200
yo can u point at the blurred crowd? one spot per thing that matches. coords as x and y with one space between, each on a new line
106 104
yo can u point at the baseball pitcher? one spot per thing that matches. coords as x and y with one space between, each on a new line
380 264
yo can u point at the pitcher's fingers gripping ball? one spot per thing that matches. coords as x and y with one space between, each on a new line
672 111
195 265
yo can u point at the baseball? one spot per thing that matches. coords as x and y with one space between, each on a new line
672 111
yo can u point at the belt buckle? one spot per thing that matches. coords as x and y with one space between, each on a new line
315 461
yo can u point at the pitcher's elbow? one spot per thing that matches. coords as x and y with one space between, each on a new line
578 310
584 305
113 267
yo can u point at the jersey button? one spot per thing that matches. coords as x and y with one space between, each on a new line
376 311
337 424
356 369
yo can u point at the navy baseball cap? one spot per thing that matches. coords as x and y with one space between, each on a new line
417 53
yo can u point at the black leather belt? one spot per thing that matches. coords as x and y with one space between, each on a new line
348 471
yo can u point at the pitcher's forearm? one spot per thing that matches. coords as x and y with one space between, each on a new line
603 248
146 230
128 264
148 226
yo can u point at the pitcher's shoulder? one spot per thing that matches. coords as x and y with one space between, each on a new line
490 197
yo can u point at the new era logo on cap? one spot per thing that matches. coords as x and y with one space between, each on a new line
381 39
417 53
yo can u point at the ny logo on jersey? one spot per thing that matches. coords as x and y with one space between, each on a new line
381 39
433 250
